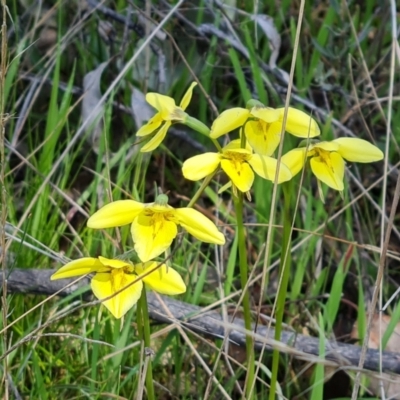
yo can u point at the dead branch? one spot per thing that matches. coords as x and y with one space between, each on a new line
167 310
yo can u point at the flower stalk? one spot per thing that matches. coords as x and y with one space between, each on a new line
284 273
246 297
143 322
201 189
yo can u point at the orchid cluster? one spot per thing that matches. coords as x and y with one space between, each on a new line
154 226
260 130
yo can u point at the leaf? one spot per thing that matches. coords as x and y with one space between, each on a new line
317 391
91 97
230 8
160 34
266 23
389 382
210 29
141 110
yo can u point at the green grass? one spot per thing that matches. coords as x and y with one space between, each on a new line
50 192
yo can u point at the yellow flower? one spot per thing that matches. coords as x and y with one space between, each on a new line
168 113
112 276
238 163
264 126
327 162
155 225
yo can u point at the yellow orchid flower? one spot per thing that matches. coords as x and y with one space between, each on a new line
238 163
155 225
263 126
168 112
112 276
328 158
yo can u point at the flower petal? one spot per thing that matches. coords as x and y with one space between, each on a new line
164 280
107 284
240 173
266 168
165 105
328 146
113 263
198 167
300 124
156 140
161 206
82 266
153 124
358 150
228 121
331 171
187 96
116 213
236 145
152 234
199 225
267 114
264 138
295 160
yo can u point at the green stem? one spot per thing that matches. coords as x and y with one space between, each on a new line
201 189
198 126
143 322
217 145
284 273
246 297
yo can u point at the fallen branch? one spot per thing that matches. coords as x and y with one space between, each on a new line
211 323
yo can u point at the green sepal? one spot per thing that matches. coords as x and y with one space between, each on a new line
196 125
254 103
